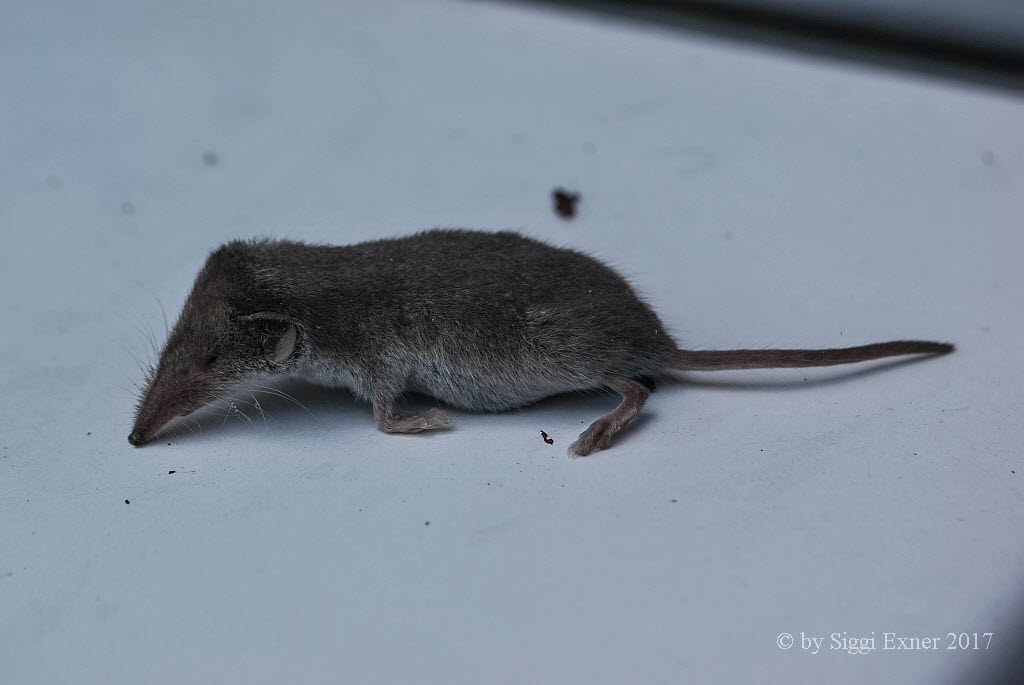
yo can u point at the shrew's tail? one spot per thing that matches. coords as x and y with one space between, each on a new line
722 360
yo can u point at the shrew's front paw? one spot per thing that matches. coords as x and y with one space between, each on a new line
416 423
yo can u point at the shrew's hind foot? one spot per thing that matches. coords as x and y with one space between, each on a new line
600 433
391 422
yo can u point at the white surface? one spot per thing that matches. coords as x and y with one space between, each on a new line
757 199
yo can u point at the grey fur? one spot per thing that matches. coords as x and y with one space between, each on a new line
481 321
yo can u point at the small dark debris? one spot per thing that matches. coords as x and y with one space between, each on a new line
171 472
674 501
88 432
210 158
168 444
550 441
127 502
565 202
1013 472
127 208
426 523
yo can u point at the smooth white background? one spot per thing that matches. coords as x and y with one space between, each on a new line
756 197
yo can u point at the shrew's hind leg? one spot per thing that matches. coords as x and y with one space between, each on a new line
600 433
391 422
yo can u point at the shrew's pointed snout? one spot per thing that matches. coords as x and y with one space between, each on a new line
169 395
151 417
144 429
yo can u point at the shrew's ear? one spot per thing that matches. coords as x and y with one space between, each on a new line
277 334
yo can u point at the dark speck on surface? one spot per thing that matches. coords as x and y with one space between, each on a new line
565 202
426 523
210 158
171 472
544 436
127 502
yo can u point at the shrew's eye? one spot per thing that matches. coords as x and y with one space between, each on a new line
210 360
